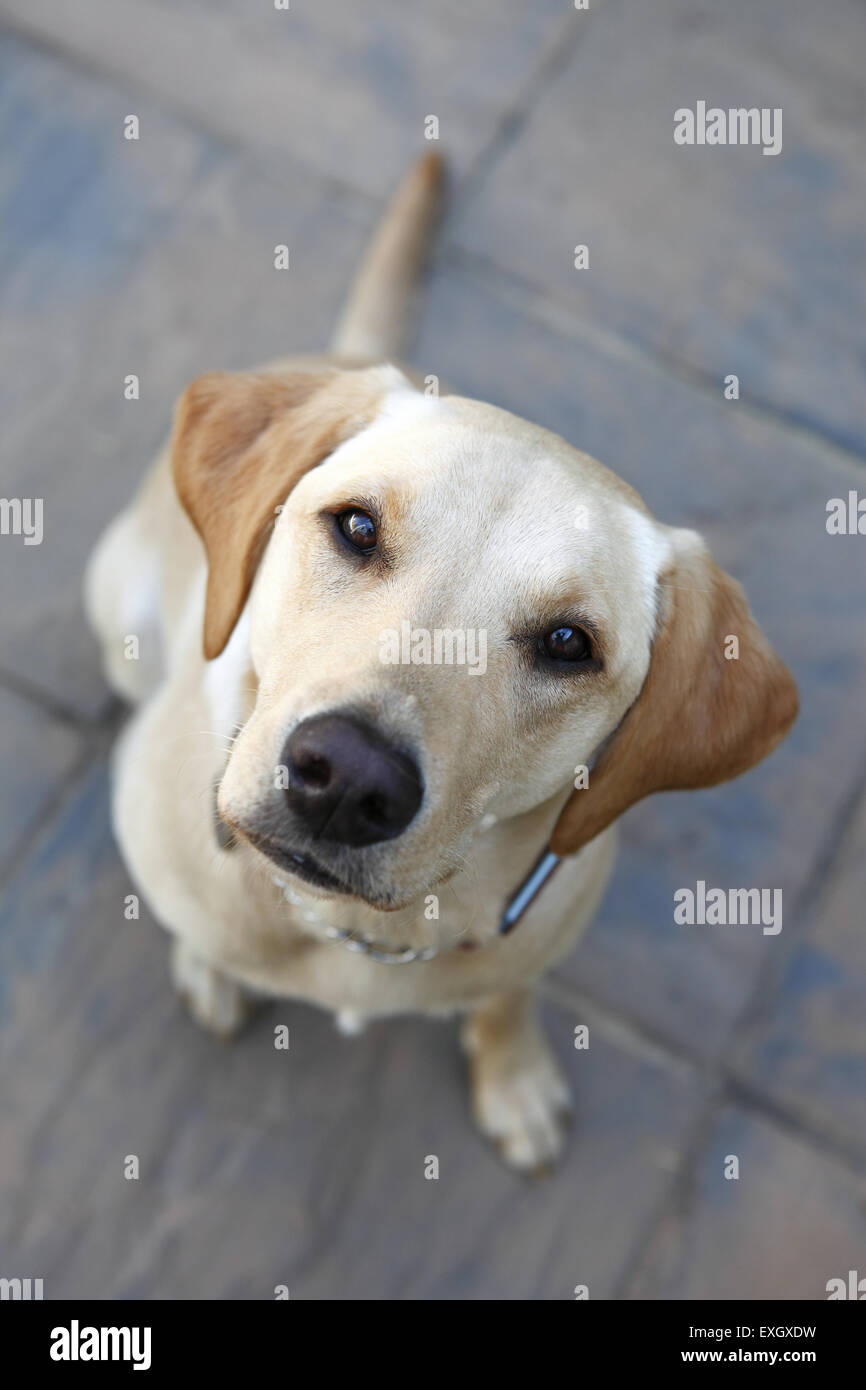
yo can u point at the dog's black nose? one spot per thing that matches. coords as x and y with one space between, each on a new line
347 784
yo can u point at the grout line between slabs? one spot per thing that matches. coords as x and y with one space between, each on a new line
533 300
720 1076
536 303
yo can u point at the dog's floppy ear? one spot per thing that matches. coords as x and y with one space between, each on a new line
702 716
241 442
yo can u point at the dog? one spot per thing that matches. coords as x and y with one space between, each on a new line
314 818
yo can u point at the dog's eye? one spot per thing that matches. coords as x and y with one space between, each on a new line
566 644
359 528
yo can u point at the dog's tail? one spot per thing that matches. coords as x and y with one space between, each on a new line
376 317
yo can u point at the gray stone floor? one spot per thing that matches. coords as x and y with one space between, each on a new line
261 1168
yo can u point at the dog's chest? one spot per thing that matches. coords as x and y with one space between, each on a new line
288 949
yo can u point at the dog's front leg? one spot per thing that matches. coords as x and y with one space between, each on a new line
518 1093
216 1002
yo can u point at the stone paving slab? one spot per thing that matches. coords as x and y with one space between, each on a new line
759 494
80 208
791 1222
260 1167
719 258
37 755
810 1053
345 88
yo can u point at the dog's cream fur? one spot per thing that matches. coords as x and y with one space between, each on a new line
491 523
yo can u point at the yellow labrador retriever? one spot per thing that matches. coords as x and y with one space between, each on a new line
398 656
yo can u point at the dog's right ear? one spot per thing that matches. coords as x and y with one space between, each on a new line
241 442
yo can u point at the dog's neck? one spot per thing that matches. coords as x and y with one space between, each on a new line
504 869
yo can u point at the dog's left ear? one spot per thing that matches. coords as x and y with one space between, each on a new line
241 442
709 709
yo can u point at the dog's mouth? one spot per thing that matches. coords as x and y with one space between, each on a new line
302 865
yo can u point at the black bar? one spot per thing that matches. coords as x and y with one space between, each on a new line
247 1337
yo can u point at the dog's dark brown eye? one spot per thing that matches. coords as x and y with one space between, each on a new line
566 644
359 528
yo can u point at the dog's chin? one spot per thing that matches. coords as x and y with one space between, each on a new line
305 869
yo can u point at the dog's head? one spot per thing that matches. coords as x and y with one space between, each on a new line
440 613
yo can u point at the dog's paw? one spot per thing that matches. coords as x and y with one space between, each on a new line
215 1001
523 1108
